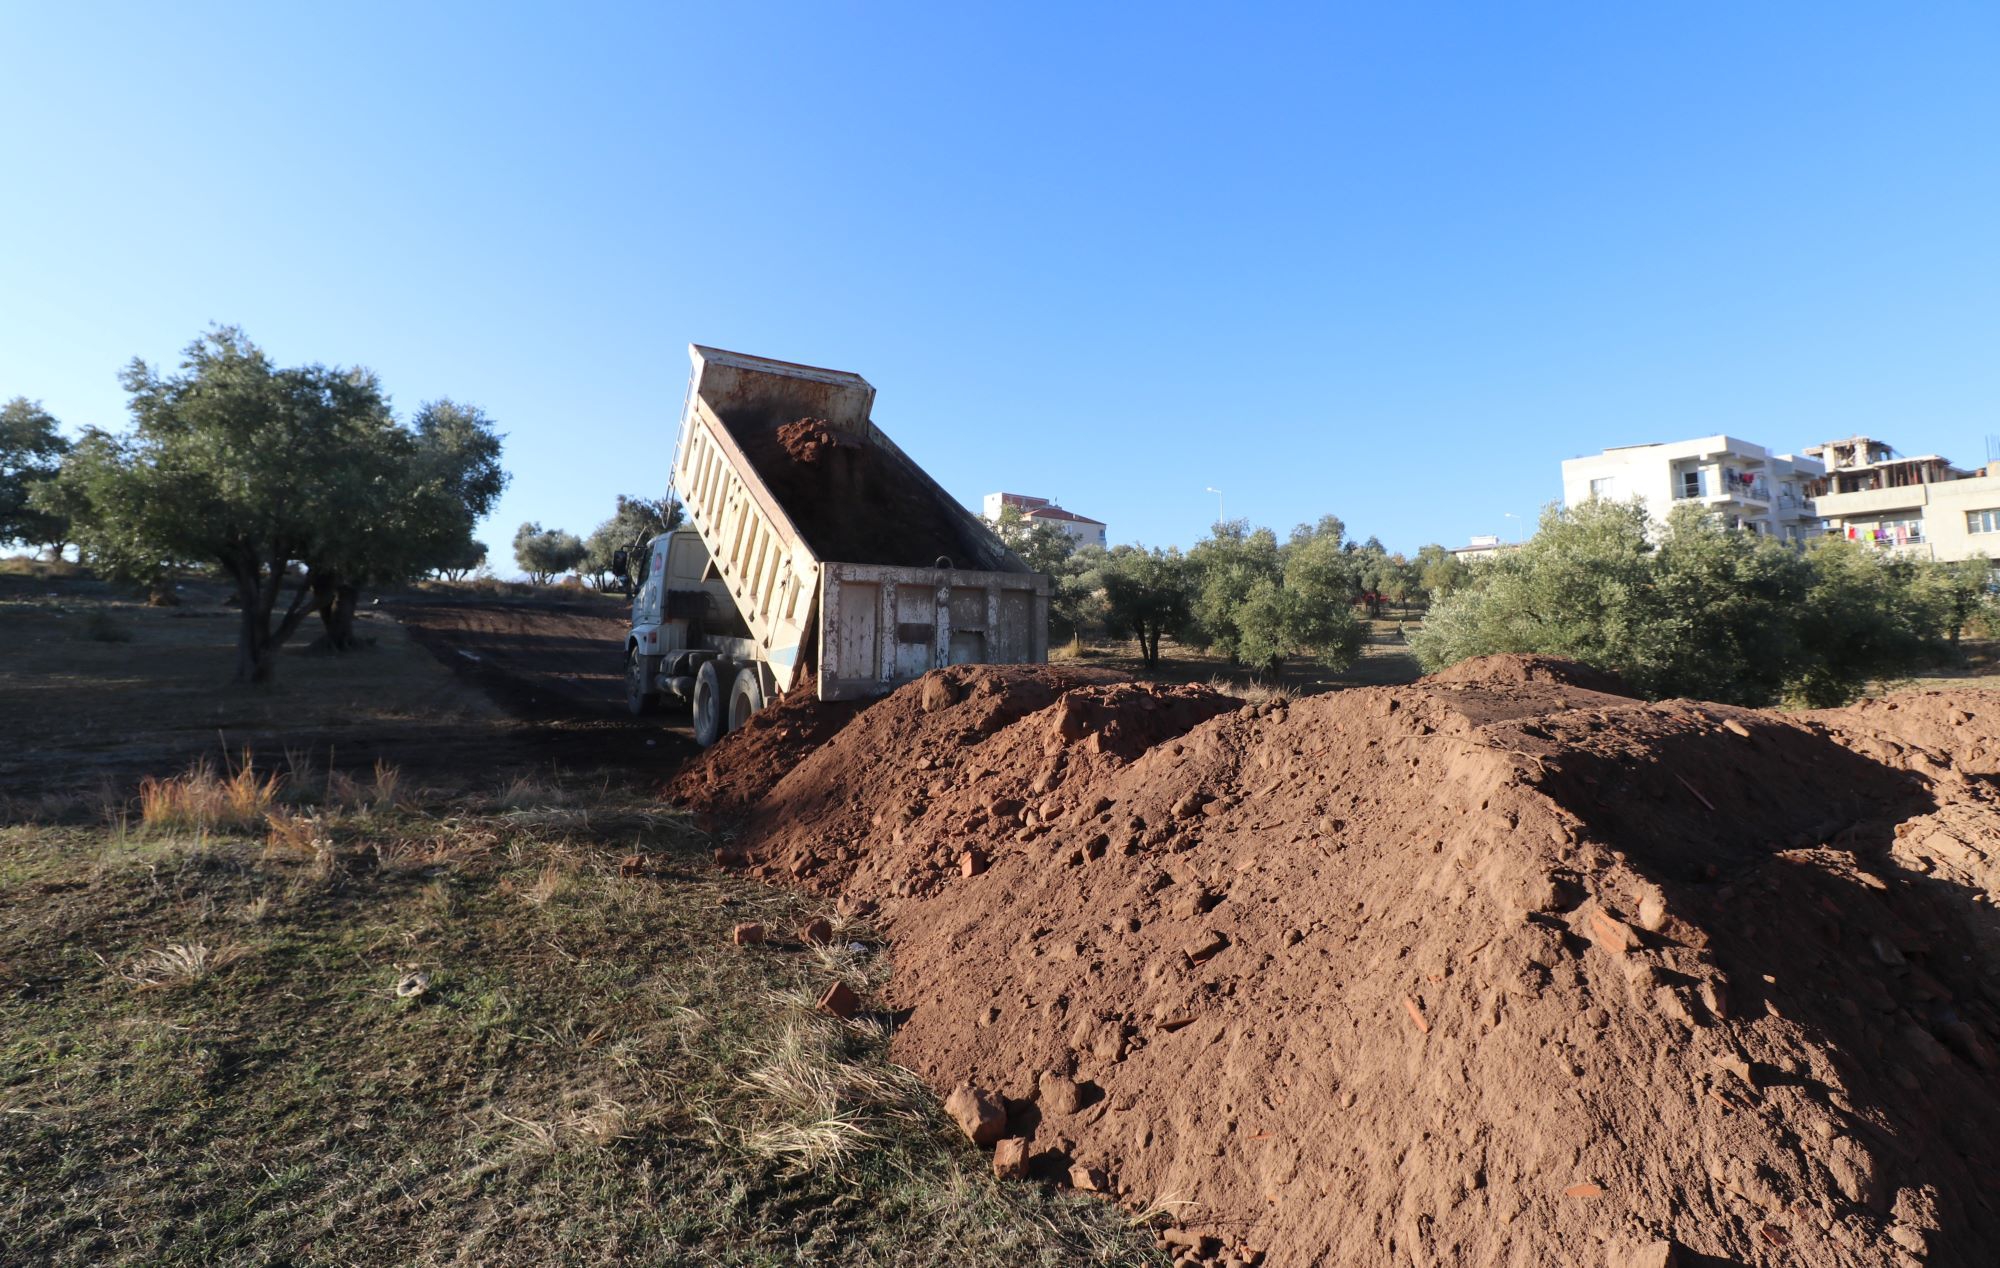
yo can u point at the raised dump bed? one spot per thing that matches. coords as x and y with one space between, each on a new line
840 554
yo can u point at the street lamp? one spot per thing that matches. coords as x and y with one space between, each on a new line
1219 516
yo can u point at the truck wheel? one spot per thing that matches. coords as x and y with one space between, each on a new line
641 678
708 704
746 697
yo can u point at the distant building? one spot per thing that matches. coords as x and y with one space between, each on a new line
1746 484
1920 508
1485 546
1859 488
1082 529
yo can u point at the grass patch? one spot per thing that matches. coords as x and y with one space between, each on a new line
394 1028
204 801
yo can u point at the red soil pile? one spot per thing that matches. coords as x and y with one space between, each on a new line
1491 969
808 438
1529 670
725 779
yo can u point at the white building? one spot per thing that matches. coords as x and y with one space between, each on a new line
1920 508
1483 546
1083 530
1750 487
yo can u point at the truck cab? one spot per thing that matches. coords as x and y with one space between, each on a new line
684 622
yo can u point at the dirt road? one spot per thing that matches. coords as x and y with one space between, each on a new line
98 691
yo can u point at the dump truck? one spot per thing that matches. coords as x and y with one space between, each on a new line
812 546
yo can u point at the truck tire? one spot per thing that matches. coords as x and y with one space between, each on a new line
746 697
641 682
709 706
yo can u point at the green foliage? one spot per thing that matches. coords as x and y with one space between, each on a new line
1956 594
468 559
1439 573
242 464
1077 601
1861 620
1707 612
31 452
453 483
636 522
545 554
1043 546
1261 603
260 470
1147 595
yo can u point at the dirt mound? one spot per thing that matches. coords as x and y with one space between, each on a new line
1520 669
1926 731
1494 969
725 779
864 801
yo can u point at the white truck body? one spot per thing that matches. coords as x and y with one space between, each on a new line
861 569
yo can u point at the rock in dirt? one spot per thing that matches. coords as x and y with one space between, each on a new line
818 932
1652 1254
1059 1094
748 934
978 1113
840 1000
1087 1179
1010 1158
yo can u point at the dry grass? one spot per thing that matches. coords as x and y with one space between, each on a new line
293 833
589 1071
178 964
809 1104
531 792
1255 694
204 801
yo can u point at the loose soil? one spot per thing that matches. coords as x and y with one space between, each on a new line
858 502
725 780
1502 967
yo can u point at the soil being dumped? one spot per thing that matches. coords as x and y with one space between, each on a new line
806 440
859 500
1503 967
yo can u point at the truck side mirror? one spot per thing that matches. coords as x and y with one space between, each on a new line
620 558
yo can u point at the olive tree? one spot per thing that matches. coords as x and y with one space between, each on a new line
31 451
446 475
245 465
637 520
1689 608
545 554
1147 594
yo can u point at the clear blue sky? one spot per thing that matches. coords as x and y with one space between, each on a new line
1392 262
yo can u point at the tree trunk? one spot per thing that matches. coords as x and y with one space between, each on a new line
257 593
334 599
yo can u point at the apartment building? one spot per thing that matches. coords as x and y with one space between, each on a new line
1083 530
1746 484
1917 507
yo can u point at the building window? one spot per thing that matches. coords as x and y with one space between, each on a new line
1983 521
1691 484
1602 486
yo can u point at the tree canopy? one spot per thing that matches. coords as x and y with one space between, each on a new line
545 554
1261 603
637 520
31 452
1691 608
1146 596
275 475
